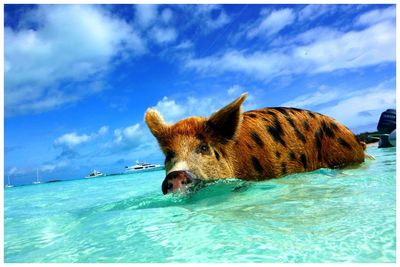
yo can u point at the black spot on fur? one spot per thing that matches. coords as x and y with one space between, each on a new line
256 164
291 122
300 136
311 114
334 126
318 143
320 134
257 139
343 143
297 109
252 115
278 154
283 167
292 156
296 130
303 160
327 130
249 146
276 132
282 110
216 154
271 113
306 126
264 119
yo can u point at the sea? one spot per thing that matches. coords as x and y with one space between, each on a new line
328 215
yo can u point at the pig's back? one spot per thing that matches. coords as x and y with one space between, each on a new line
273 142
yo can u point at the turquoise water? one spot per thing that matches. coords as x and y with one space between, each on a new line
346 215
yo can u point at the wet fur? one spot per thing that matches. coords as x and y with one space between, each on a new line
255 145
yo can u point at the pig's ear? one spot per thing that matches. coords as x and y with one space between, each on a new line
224 123
155 122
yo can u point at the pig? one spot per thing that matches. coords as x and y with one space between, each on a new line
255 145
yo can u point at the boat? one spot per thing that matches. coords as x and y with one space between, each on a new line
95 173
386 129
9 184
37 178
142 166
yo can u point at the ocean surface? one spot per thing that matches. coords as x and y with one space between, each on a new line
341 215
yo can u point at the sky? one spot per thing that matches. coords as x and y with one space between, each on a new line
79 78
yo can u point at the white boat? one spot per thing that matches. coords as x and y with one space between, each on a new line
9 184
141 166
94 174
37 177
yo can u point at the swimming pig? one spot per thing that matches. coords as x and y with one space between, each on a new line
254 145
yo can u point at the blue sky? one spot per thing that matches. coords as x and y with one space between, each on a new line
78 78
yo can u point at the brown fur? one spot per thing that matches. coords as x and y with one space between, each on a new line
255 145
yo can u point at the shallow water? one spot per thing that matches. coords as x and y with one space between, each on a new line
345 215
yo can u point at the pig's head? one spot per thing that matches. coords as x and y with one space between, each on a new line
197 149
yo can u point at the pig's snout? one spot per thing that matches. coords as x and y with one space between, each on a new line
176 180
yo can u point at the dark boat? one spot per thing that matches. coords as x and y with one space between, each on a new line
387 129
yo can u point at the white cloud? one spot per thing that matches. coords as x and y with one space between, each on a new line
70 140
154 24
221 20
13 170
166 15
272 23
145 15
130 137
377 15
316 34
371 46
70 43
311 12
50 167
322 96
103 130
235 90
343 50
184 45
207 17
164 35
170 109
355 109
129 132
352 106
176 109
260 65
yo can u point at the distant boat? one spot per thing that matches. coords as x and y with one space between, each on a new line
37 177
141 166
94 174
9 184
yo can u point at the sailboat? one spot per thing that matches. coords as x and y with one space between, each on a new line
9 184
37 177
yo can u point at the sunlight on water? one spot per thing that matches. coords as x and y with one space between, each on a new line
345 215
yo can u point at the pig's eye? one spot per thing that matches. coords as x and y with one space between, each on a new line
203 148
